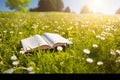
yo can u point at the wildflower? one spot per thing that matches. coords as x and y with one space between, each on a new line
59 48
22 52
118 59
20 33
14 57
86 51
70 39
112 52
102 38
99 63
95 46
118 51
10 70
56 30
98 37
30 69
5 31
89 60
11 32
107 29
15 63
34 26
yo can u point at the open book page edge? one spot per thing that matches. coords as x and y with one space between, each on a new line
24 45
56 40
33 43
46 43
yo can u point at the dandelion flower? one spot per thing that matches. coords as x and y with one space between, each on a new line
99 63
14 57
89 60
59 48
15 63
95 46
86 51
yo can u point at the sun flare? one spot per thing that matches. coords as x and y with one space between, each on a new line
97 5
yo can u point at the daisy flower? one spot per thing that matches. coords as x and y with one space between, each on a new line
86 51
89 60
99 63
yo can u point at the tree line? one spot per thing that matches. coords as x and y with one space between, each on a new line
45 6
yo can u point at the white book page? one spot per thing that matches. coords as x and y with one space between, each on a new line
53 39
33 42
24 45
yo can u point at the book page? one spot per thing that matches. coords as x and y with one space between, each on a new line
34 42
55 40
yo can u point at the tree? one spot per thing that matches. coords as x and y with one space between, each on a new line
33 9
50 5
59 5
19 5
85 9
67 9
118 11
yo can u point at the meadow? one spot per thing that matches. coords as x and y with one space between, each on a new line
95 48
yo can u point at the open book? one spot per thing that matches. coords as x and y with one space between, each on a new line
46 41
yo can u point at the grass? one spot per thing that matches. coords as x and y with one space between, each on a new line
85 30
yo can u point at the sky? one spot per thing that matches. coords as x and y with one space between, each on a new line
98 6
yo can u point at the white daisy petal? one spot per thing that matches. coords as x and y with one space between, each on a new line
86 51
89 60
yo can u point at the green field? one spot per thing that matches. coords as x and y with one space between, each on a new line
96 39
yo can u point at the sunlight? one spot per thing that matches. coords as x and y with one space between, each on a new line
97 5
